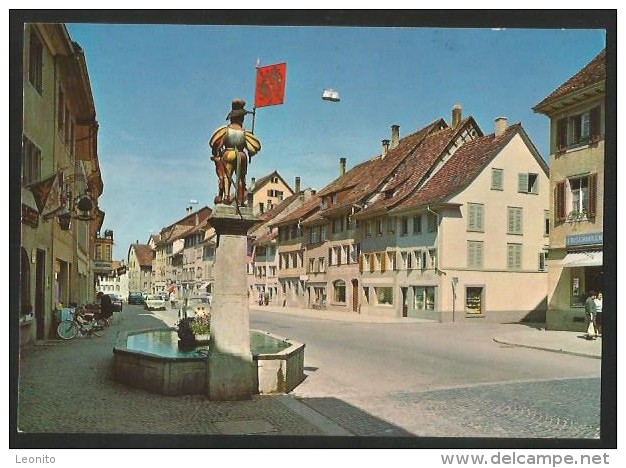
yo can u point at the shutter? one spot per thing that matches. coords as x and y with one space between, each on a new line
471 256
518 257
383 262
479 217
561 135
593 194
594 124
361 263
509 257
471 217
372 256
330 256
511 224
559 201
518 220
479 254
522 183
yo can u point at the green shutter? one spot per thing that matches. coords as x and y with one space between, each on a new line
522 183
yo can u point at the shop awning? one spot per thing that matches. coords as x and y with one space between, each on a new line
582 259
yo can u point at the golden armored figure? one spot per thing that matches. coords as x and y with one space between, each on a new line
231 148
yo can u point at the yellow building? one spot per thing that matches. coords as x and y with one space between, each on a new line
576 110
60 180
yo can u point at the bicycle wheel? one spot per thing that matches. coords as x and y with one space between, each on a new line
99 328
67 329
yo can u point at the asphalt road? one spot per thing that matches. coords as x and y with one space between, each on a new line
439 380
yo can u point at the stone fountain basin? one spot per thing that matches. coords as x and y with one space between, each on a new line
150 360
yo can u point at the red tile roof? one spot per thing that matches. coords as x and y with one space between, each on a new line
594 72
416 166
144 254
307 208
460 170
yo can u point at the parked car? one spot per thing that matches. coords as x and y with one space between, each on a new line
155 302
116 302
196 305
135 298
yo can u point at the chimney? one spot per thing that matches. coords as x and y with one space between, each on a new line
385 147
456 115
395 135
297 185
501 125
253 180
342 166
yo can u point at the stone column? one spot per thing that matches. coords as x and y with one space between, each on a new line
231 369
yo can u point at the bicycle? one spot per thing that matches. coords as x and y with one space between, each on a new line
83 324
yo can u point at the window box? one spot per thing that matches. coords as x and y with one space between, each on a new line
577 216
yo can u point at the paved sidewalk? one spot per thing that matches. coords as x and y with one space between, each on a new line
67 387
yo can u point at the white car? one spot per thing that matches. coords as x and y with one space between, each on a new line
155 302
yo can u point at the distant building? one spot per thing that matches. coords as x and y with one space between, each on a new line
576 110
115 281
140 258
269 191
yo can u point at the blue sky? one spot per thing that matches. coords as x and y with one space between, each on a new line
161 90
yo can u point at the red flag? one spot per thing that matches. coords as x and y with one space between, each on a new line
270 85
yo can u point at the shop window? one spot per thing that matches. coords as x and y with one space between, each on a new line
424 297
384 295
474 300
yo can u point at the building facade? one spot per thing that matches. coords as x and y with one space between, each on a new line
576 110
441 225
269 191
139 266
60 180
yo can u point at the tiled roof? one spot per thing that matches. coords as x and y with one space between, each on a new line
306 209
266 238
416 166
460 170
363 179
592 73
144 254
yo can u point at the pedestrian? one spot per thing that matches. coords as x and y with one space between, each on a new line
106 307
173 298
590 313
598 301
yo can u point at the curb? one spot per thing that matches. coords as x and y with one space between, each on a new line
328 427
542 348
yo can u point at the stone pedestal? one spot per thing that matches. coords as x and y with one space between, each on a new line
232 372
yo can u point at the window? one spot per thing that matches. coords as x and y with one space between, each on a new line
432 253
543 258
368 229
321 261
61 112
379 226
417 224
424 297
514 216
392 260
432 223
475 217
35 63
314 235
474 254
527 183
514 256
339 290
546 223
391 226
579 194
497 179
384 295
404 226
578 129
474 300
31 162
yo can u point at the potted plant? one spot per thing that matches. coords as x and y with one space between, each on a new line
193 331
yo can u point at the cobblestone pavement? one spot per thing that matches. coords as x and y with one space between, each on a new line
67 387
505 410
